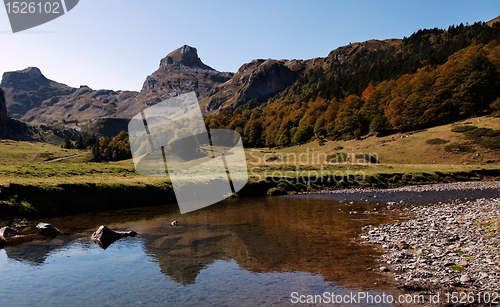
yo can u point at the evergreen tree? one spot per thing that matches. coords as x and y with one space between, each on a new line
79 143
67 144
96 152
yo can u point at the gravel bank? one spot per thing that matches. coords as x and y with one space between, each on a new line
446 245
455 186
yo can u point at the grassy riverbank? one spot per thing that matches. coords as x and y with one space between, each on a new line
38 179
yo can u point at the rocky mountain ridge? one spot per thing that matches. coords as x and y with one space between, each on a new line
34 99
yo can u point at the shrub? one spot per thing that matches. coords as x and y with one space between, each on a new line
456 267
276 191
273 158
339 148
436 141
478 133
372 158
491 143
463 128
67 144
338 157
484 137
458 148
300 186
287 186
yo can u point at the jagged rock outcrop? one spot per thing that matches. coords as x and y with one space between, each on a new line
180 72
343 53
258 80
26 89
81 105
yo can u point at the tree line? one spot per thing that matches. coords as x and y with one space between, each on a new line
103 149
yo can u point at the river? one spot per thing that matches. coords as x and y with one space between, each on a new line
262 251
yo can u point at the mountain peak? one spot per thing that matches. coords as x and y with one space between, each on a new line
186 56
27 75
31 71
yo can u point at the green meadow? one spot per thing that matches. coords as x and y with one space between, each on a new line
39 179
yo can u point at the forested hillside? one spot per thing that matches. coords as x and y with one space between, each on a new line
432 77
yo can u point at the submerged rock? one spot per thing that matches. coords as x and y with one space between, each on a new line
47 229
8 232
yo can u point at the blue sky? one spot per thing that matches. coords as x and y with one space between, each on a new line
115 44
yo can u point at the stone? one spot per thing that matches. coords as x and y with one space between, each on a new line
104 233
104 236
175 223
403 245
439 258
8 232
384 269
47 229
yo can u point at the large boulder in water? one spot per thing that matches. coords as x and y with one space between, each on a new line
104 233
47 230
104 236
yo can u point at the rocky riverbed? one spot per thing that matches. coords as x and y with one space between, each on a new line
452 245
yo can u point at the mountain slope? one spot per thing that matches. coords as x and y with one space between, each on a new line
494 20
431 78
258 80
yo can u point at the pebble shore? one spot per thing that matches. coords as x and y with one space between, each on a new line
444 245
455 186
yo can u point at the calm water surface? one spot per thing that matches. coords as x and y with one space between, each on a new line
240 252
